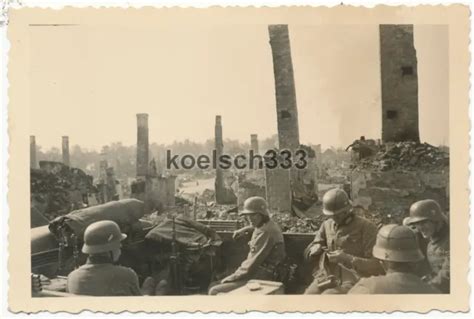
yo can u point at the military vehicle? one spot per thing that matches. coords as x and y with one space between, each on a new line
190 254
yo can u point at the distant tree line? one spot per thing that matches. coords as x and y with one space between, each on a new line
123 157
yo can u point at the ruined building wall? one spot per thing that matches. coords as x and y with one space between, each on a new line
388 195
160 193
278 189
65 150
399 77
142 145
250 184
170 190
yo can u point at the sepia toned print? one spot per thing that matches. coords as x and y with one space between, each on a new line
211 155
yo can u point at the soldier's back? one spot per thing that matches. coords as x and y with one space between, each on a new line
393 283
103 279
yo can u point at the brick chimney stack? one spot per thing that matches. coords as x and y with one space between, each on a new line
65 150
142 145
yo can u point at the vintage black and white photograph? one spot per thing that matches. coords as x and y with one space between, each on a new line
215 158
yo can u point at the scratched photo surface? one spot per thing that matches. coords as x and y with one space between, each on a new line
297 159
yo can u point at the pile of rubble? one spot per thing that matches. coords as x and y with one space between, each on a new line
54 188
378 217
51 189
406 155
294 224
288 223
218 212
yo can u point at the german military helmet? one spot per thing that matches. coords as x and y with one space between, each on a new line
427 209
255 205
397 243
102 236
335 201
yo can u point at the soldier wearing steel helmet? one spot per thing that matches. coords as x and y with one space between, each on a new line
343 246
99 276
397 248
427 217
267 248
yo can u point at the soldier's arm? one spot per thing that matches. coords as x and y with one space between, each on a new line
360 288
442 278
242 232
319 239
246 229
132 283
367 265
263 245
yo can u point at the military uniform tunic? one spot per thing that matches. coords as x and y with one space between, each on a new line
437 254
393 283
267 250
100 277
356 237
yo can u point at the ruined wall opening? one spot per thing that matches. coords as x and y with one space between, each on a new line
285 114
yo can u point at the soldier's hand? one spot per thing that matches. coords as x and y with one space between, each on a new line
315 250
45 281
337 256
148 286
238 233
35 283
227 279
212 234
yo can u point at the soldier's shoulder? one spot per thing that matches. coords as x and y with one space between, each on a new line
328 222
126 272
365 285
372 279
269 230
81 269
364 221
74 273
446 236
274 226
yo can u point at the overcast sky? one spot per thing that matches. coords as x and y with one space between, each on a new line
92 80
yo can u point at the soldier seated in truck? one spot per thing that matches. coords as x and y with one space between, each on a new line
343 246
267 248
398 250
99 276
426 216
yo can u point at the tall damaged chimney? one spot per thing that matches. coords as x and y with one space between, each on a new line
278 181
33 152
142 145
219 145
398 65
65 149
254 143
287 113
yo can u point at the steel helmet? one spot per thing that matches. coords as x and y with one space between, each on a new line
102 236
406 222
335 201
397 243
255 205
427 209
